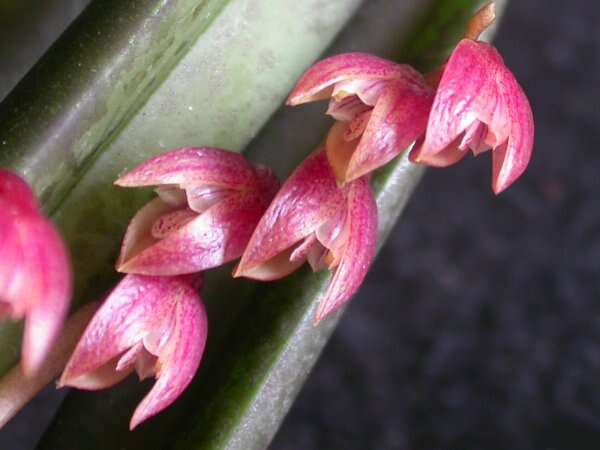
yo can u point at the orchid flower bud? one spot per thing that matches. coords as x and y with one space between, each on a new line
479 105
155 326
312 219
381 108
35 275
209 201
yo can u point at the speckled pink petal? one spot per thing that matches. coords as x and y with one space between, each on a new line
139 308
139 231
318 81
193 166
179 359
398 119
359 247
47 291
468 91
136 307
35 276
306 200
213 238
509 161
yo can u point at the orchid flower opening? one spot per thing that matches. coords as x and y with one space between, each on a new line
313 219
380 108
155 326
209 201
35 274
479 105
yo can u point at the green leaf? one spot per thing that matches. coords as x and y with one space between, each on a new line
262 343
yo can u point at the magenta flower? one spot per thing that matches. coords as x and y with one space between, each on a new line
209 201
156 326
312 219
381 108
479 105
35 276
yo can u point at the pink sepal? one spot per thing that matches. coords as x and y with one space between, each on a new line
35 274
192 166
318 82
358 248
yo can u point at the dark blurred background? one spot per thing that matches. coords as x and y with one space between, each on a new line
479 324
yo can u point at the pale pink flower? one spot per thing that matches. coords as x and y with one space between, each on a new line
312 219
209 201
35 275
381 108
155 326
479 105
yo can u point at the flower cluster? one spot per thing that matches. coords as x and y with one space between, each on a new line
213 206
325 213
209 201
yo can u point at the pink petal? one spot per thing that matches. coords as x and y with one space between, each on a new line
18 195
48 291
317 82
178 360
171 222
213 238
267 185
13 282
193 166
357 127
137 307
509 161
468 91
359 249
307 199
398 119
35 282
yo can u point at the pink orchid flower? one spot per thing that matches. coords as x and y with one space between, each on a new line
479 105
156 326
381 108
312 219
35 275
209 201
